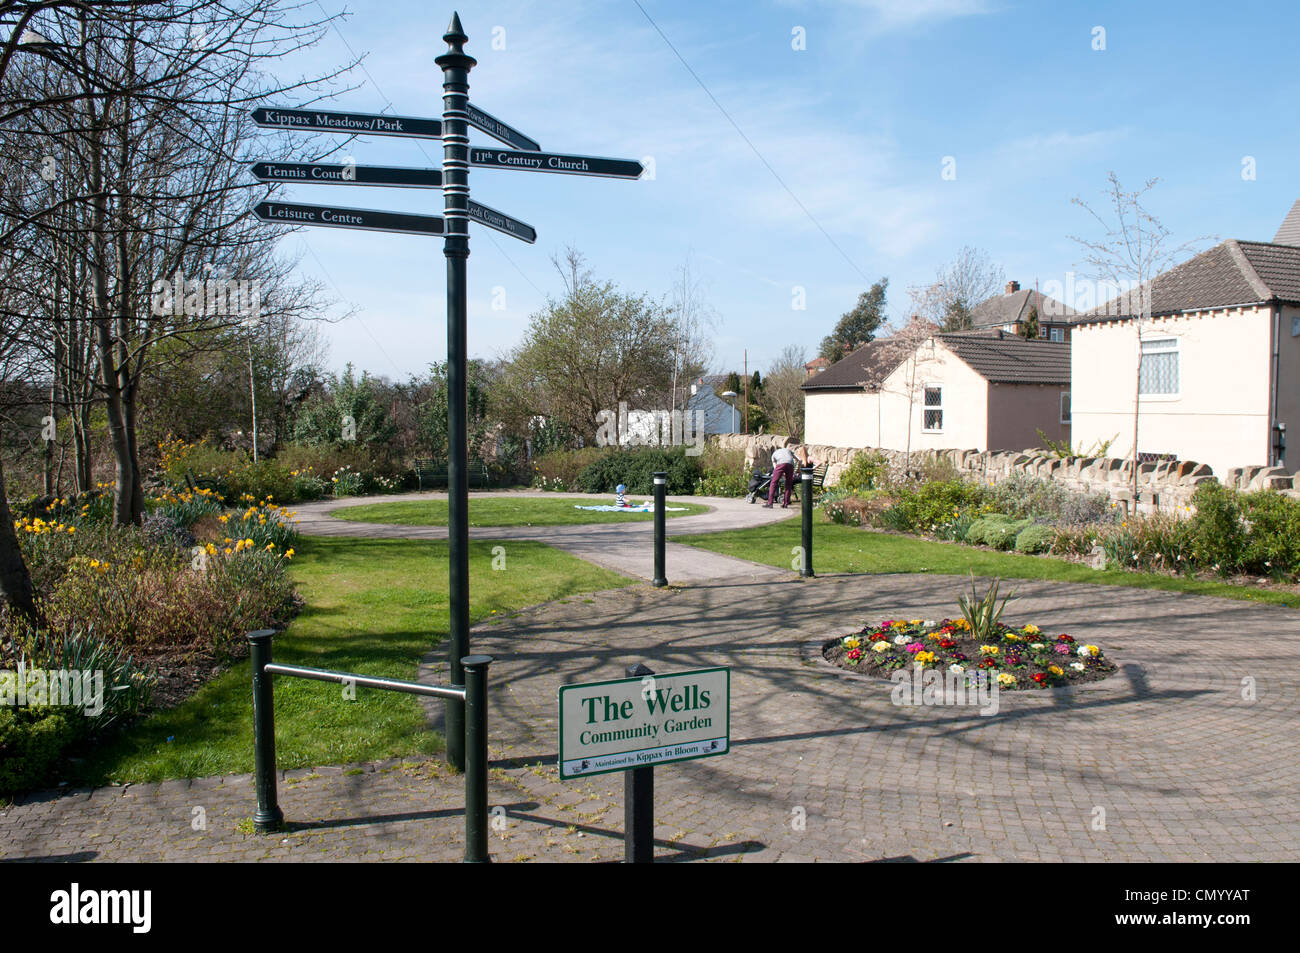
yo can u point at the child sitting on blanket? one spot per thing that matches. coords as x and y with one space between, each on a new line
619 498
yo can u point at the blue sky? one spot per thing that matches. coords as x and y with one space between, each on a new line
857 125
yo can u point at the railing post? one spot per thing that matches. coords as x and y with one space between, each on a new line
806 502
639 800
476 758
269 817
661 490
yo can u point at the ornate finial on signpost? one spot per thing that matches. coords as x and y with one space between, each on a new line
455 37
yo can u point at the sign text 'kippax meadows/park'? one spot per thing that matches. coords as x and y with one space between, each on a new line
640 722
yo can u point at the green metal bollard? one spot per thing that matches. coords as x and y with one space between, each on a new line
476 758
806 502
661 490
269 817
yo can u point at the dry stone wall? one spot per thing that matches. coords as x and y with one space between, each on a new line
1163 485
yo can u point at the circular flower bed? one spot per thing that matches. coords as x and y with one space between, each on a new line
1019 658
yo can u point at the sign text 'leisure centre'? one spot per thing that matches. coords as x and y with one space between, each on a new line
641 722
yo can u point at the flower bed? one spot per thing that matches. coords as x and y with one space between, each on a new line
1019 658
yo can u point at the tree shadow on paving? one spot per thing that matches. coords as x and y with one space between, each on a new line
295 826
757 629
681 851
80 857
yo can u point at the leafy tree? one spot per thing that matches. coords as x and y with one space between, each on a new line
755 384
858 326
348 412
733 384
587 352
1030 330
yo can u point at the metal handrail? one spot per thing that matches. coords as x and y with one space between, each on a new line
472 695
366 681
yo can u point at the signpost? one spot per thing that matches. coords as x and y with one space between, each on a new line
316 173
287 213
632 724
643 720
352 124
457 116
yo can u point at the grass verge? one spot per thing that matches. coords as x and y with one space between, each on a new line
503 511
847 549
373 607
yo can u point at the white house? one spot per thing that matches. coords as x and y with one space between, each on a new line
1220 360
973 390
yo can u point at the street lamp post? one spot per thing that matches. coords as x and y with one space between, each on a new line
727 396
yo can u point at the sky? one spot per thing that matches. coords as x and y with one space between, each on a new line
801 149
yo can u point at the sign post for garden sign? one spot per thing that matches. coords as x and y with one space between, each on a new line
458 211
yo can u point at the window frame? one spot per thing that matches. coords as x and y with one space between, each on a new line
1176 349
926 387
1065 407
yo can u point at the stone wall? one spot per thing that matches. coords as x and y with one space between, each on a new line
1163 485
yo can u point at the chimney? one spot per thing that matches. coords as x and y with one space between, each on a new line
1013 287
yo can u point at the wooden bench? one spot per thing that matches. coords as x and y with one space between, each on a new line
433 473
818 480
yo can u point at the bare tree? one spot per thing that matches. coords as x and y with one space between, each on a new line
1133 252
694 318
782 394
904 346
970 278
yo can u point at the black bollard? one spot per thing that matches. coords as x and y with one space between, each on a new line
661 490
806 500
269 817
639 802
476 758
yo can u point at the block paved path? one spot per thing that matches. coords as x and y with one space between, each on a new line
1164 761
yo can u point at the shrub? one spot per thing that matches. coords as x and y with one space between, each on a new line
1216 537
1028 497
983 525
1004 536
1074 540
1035 539
32 740
723 473
160 530
868 470
1273 538
635 468
559 469
931 505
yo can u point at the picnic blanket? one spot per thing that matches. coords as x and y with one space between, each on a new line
638 508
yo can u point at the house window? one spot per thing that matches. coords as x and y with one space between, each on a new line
1065 406
1057 334
1159 374
933 414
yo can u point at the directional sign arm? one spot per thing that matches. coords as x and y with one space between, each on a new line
555 162
288 213
352 124
497 129
502 222
316 173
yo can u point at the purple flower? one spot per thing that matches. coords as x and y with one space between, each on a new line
915 647
1061 648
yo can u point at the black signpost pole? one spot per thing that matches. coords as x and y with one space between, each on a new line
456 65
806 503
639 801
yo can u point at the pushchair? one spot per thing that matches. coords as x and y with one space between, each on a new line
760 483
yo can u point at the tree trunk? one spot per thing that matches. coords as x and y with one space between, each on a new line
15 580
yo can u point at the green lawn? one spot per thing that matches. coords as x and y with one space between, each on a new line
504 511
372 607
847 549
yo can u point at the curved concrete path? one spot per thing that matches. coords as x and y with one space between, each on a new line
623 547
